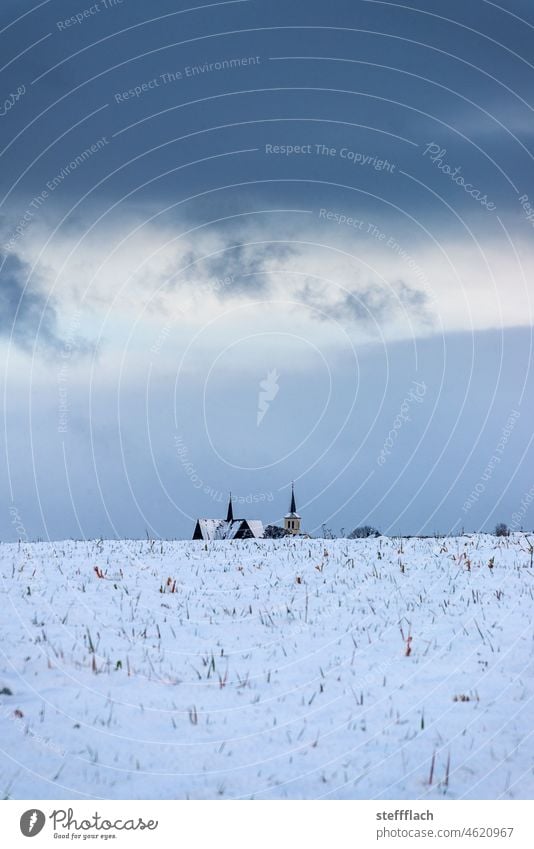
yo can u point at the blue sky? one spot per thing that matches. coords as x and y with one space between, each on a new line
319 211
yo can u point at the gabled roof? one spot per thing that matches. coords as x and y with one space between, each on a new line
256 527
212 529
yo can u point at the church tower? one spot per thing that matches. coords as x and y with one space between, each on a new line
292 519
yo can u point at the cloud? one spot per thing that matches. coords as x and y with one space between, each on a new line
372 303
250 267
128 273
25 314
30 319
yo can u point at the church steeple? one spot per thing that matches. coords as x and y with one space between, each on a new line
292 519
293 508
230 514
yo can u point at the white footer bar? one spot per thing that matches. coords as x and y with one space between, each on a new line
264 825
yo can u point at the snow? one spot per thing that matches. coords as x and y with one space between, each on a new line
213 528
256 527
289 668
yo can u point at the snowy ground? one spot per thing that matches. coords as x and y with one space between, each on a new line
276 669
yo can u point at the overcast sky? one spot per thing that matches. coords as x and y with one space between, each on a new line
251 242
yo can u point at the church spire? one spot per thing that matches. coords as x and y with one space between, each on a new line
230 514
293 508
292 519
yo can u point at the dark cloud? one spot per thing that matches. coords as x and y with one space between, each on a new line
25 315
420 72
28 317
239 270
415 300
368 304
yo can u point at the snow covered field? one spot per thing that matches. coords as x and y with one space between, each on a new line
267 669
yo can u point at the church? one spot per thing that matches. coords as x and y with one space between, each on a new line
230 528
292 519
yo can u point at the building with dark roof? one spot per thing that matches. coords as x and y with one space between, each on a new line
229 528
